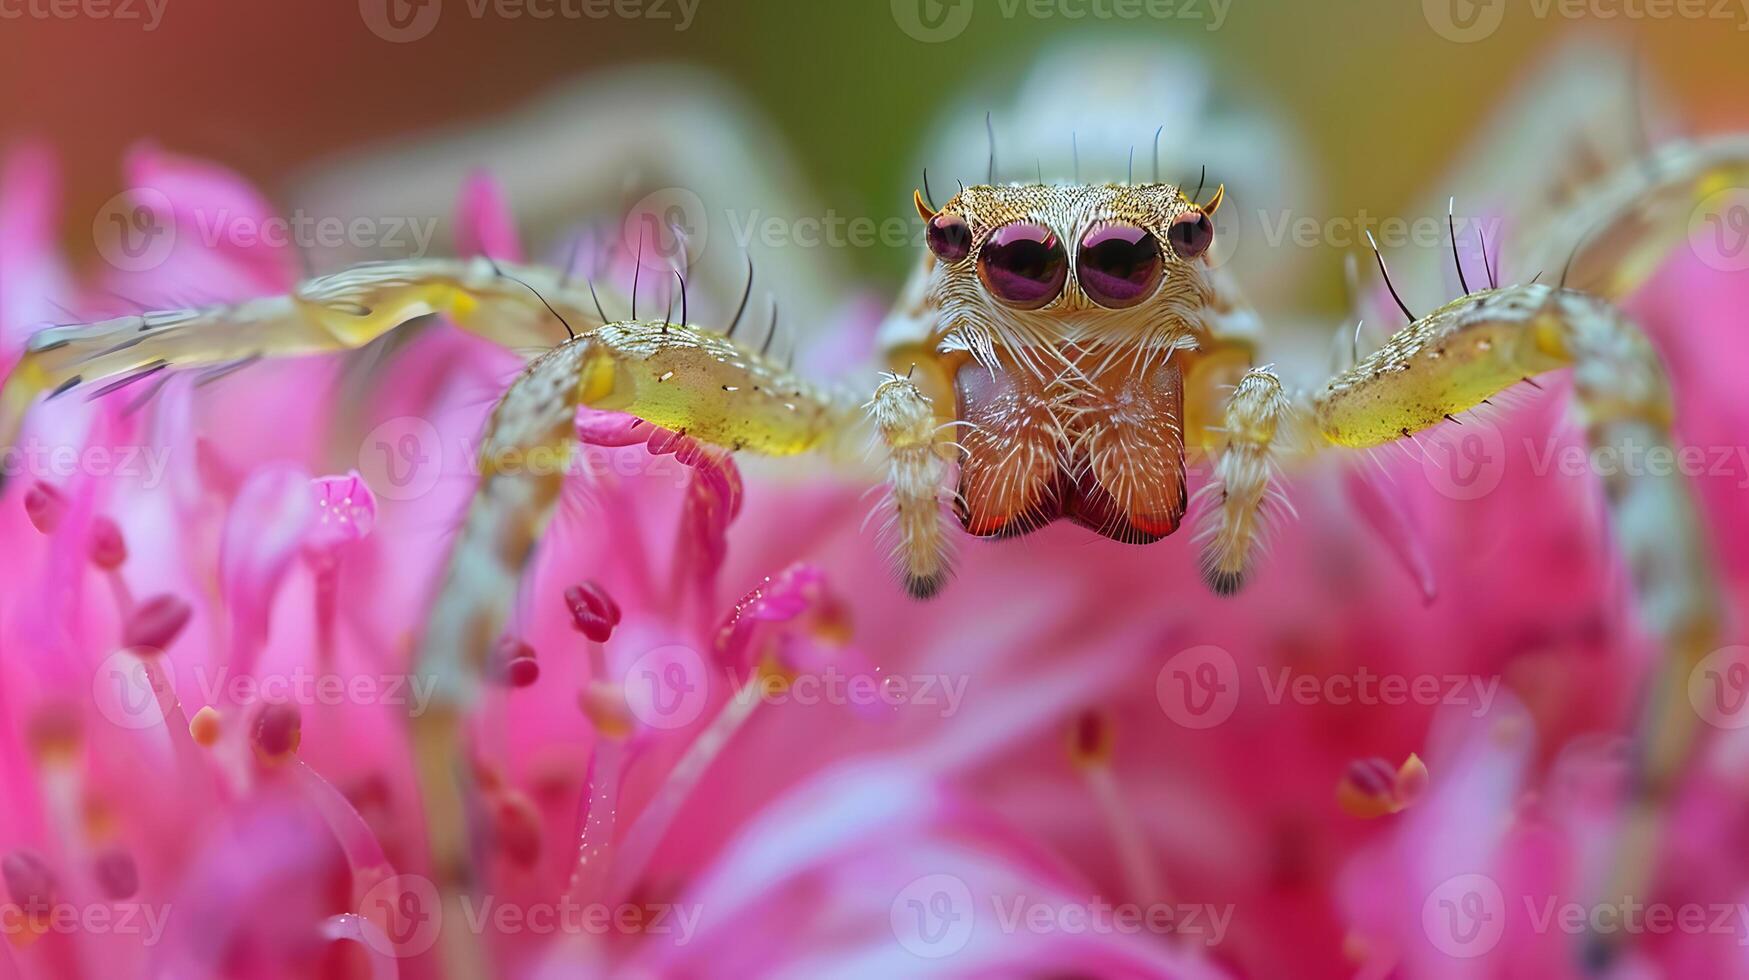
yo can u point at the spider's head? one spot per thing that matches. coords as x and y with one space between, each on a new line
1071 301
1019 265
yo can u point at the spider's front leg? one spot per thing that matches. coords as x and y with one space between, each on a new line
512 305
697 383
1453 359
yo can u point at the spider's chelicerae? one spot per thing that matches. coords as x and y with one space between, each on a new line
1058 353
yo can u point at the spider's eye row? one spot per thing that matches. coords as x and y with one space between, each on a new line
1023 264
1191 234
950 238
1119 265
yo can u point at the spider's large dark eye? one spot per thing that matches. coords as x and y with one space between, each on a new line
1191 234
1118 265
949 237
1023 264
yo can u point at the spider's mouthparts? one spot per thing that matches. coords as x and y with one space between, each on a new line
1104 449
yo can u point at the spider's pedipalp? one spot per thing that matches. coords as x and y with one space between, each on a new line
905 420
1240 497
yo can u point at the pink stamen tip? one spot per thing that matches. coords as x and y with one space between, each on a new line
1373 776
54 731
155 624
514 663
117 874
593 611
45 506
29 882
277 731
109 549
1090 737
1369 789
516 829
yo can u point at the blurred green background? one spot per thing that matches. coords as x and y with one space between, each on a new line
271 86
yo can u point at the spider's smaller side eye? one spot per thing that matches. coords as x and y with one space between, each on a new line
1191 234
1023 264
950 238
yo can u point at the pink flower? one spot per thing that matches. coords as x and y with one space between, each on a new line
717 724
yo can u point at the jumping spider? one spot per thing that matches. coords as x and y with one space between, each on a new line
1059 352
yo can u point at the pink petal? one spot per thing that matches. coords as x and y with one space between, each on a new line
31 275
1385 518
265 529
225 231
484 222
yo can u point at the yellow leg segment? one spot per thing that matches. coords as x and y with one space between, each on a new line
680 377
1448 362
344 311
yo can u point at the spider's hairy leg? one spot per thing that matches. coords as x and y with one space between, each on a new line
1241 493
695 382
1449 361
343 311
906 421
700 384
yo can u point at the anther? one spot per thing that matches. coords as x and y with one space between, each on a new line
117 874
1090 738
205 727
109 549
277 732
155 624
45 506
593 611
514 663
